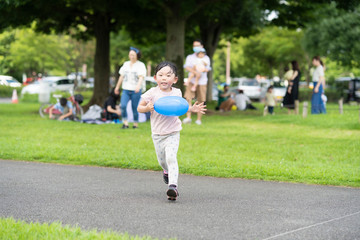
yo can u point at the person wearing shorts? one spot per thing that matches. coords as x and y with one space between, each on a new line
200 92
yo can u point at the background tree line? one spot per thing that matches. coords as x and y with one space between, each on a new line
165 30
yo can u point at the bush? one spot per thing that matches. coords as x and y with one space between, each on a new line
6 91
333 95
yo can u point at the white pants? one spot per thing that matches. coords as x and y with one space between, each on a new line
166 147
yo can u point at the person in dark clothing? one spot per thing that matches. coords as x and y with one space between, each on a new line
292 92
111 108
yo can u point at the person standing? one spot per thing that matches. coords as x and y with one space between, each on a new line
292 92
132 75
317 105
200 91
270 100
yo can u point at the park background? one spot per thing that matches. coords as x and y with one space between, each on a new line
58 37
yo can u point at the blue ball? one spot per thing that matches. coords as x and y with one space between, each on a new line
171 106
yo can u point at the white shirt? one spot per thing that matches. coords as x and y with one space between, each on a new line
241 100
131 74
319 71
191 61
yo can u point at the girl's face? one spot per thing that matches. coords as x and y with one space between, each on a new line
165 78
315 62
132 56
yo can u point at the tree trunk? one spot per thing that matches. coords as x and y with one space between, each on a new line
175 39
102 61
210 35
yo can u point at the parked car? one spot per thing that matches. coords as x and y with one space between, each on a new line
350 87
279 90
252 88
9 81
55 83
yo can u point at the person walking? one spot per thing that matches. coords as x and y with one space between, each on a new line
132 75
292 92
200 91
317 104
166 129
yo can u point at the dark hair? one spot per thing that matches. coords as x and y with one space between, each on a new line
241 91
63 101
271 87
166 64
115 96
321 62
317 58
286 69
137 51
295 65
199 40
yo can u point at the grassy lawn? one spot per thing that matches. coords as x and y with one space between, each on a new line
11 229
321 149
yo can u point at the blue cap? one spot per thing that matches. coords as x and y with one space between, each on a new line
135 49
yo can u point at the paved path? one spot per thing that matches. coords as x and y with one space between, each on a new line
5 100
208 208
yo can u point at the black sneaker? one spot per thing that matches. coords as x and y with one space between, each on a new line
125 126
172 193
135 127
166 177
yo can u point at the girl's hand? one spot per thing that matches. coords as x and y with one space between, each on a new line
137 89
198 108
316 90
116 91
150 106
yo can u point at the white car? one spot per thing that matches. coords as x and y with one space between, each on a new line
279 90
251 87
54 84
9 81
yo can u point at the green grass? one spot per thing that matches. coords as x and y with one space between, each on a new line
11 229
321 149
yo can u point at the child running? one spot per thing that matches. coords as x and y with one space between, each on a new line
166 129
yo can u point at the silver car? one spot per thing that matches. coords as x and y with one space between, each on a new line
54 84
252 88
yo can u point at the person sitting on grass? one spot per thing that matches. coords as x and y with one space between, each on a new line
225 101
66 109
243 102
111 108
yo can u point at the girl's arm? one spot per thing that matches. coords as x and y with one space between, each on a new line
66 115
144 107
50 111
138 86
198 108
321 81
116 90
291 80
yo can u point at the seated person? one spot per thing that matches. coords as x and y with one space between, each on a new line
66 109
111 108
242 101
225 100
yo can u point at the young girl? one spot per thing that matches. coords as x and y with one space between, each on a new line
270 100
165 129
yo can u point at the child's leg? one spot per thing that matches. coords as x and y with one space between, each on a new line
171 149
191 76
197 77
160 151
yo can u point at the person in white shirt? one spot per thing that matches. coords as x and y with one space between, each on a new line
317 105
200 92
131 79
242 101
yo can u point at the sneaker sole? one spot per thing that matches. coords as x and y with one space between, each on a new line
171 193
